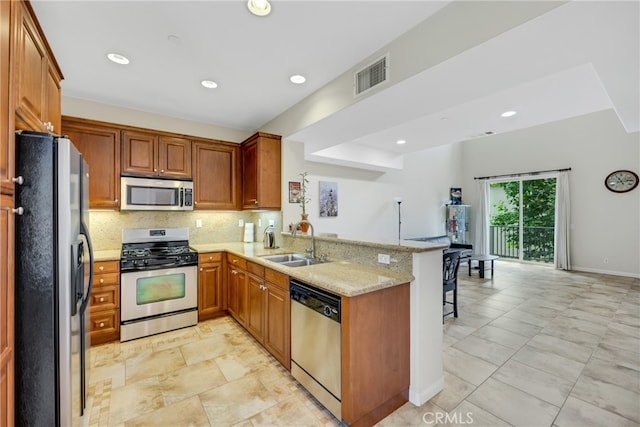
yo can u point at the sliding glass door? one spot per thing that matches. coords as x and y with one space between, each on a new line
522 219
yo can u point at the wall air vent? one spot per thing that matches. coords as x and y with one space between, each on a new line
372 75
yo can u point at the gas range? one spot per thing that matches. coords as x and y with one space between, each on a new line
147 249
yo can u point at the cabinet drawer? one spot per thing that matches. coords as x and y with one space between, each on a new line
105 298
108 279
256 269
106 267
209 257
105 320
277 278
237 261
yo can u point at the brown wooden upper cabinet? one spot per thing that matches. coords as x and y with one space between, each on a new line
37 73
6 113
261 164
100 146
216 169
149 154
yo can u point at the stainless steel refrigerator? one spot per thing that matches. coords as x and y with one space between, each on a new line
53 280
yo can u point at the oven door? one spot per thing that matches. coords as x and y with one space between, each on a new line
152 292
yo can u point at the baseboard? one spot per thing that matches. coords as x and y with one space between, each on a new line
608 272
419 397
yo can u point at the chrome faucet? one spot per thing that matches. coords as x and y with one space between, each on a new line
312 249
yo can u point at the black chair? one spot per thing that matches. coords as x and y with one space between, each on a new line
450 264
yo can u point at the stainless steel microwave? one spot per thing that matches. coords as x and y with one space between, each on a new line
150 194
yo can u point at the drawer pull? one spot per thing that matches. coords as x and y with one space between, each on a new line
18 211
235 261
101 268
101 280
101 299
18 180
102 324
201 269
210 258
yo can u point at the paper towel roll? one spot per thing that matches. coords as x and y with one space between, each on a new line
248 232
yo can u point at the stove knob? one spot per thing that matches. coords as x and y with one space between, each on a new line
146 262
327 311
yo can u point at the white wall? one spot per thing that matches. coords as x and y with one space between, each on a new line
604 224
367 209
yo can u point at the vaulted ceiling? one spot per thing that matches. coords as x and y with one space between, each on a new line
453 67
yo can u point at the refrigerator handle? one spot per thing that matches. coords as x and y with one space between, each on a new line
85 232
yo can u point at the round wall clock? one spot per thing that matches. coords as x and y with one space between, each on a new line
621 181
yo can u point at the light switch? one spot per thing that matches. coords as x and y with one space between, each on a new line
198 223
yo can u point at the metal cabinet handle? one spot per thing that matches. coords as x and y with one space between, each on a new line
101 280
18 211
116 201
210 258
18 180
235 261
101 268
201 269
161 170
102 324
155 170
101 299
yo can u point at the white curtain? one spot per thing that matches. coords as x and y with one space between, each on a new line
562 258
482 218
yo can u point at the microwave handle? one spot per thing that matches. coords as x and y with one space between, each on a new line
181 197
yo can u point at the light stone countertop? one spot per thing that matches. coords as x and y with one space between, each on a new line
342 277
108 255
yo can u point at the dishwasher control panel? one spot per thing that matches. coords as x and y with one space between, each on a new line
316 299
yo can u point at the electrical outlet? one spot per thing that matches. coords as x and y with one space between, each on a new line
240 223
272 222
384 259
259 222
198 223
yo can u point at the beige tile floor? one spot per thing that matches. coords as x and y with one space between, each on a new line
533 346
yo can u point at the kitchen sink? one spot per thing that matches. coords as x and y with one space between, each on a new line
292 260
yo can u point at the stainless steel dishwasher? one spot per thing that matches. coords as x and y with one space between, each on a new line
315 343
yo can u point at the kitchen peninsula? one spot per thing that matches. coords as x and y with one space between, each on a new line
392 334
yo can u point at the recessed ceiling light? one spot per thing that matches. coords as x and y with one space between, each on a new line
259 7
117 58
401 141
209 84
298 79
508 113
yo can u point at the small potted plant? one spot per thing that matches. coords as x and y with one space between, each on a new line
304 200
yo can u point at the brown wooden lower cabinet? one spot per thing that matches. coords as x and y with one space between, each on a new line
375 354
237 288
212 295
6 311
105 302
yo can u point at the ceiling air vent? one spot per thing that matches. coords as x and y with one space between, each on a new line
372 75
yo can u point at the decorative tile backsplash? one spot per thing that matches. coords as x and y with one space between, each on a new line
217 227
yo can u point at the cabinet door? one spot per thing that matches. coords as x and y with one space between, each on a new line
52 113
250 175
232 291
139 153
174 157
29 70
215 175
277 338
210 293
261 164
6 311
255 306
100 146
6 117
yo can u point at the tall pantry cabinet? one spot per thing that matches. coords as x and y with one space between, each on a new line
29 99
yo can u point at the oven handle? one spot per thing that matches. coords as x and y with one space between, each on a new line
157 267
